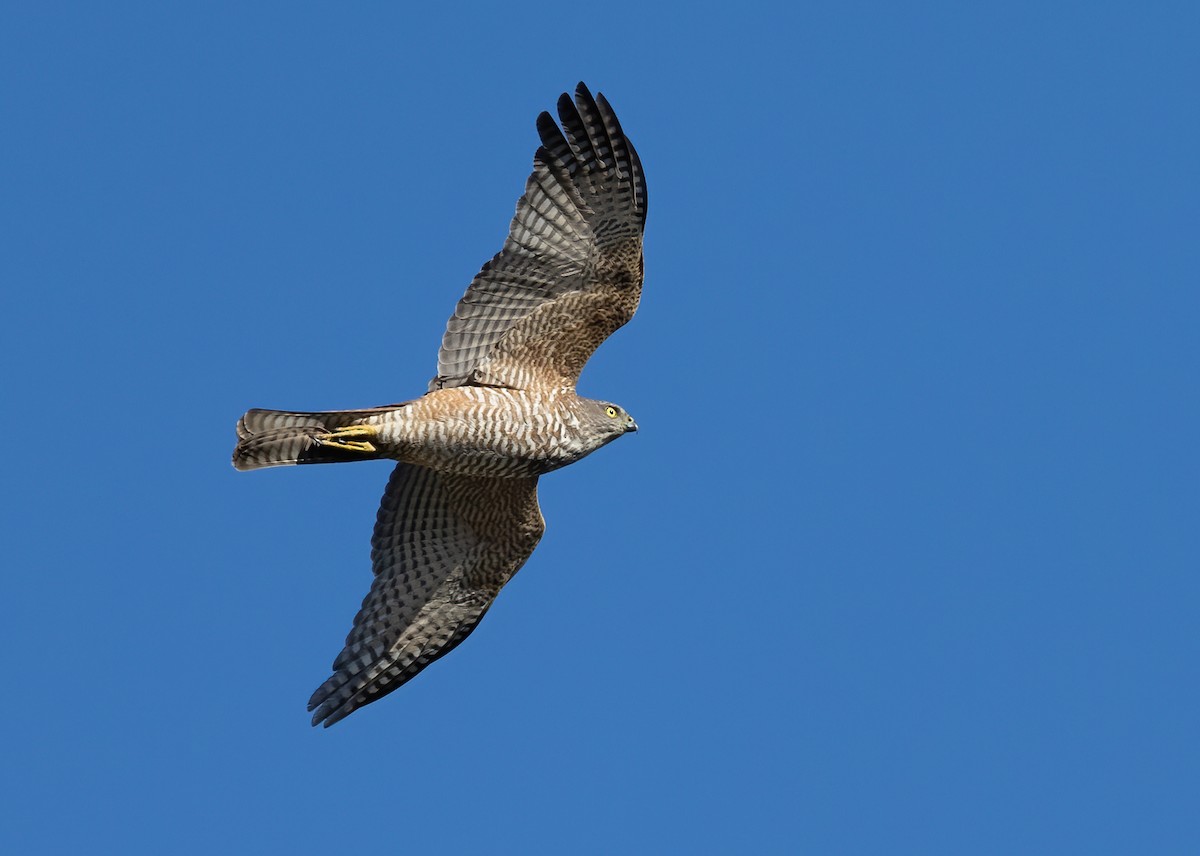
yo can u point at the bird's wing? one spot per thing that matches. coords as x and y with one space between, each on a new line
443 546
570 272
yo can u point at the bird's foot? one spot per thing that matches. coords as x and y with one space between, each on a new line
352 438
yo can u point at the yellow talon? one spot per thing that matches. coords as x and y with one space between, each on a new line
352 438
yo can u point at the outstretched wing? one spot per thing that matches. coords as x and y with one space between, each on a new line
570 272
443 547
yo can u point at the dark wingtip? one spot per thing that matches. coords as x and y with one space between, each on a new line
320 715
565 105
332 717
605 107
547 128
584 101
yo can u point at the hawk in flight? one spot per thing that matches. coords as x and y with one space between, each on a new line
460 513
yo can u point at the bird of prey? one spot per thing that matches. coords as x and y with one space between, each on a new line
460 513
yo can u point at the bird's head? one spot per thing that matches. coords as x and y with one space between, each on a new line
611 420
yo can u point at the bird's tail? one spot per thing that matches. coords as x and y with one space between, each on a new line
273 438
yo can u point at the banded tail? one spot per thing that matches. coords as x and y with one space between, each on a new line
274 438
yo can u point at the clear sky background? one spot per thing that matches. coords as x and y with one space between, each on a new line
904 558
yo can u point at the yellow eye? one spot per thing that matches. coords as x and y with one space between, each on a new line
611 411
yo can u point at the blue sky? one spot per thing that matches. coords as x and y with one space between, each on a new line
903 559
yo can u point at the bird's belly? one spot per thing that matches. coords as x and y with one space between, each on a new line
505 459
514 447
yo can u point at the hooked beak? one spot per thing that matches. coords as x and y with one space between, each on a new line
630 426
